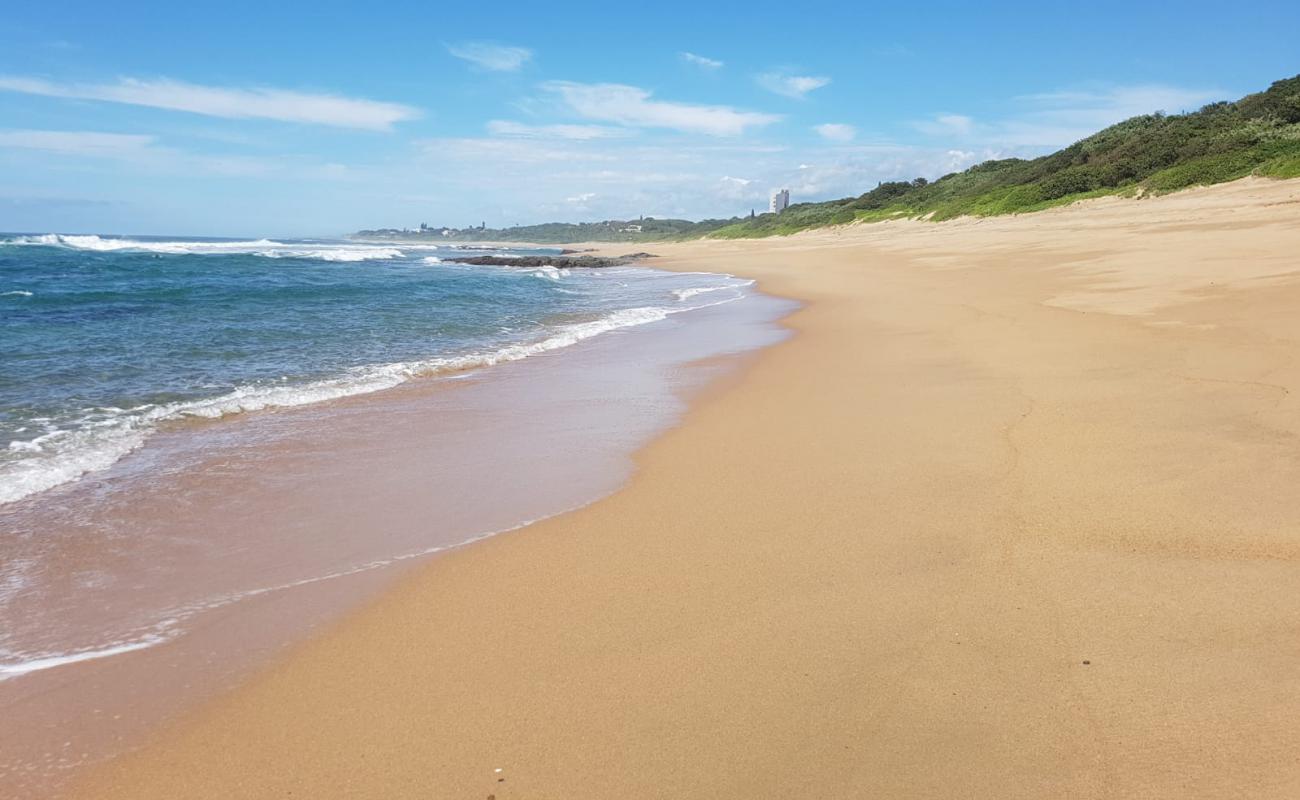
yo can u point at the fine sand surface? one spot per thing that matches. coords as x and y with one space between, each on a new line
1014 515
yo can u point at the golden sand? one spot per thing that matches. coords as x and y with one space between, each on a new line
1014 515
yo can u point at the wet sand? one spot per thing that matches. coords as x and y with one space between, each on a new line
164 580
1013 515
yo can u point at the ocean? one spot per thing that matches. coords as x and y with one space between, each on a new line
211 447
107 339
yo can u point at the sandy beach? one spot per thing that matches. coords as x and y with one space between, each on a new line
1012 515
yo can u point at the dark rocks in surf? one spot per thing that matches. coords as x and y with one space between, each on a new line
559 262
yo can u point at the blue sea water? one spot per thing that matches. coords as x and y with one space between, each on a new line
104 339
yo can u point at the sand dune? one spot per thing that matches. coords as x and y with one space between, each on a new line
1013 515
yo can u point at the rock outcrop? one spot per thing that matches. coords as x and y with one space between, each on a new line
560 262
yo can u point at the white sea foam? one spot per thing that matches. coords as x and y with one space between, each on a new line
110 244
265 248
16 293
100 439
547 272
333 254
134 425
692 291
170 625
14 578
13 669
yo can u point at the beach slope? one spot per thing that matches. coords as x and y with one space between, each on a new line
1012 515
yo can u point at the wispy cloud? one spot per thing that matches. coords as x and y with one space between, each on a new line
491 154
1063 117
632 106
490 56
502 127
232 103
699 60
1127 100
796 86
733 190
142 152
77 143
1056 119
945 125
53 202
836 131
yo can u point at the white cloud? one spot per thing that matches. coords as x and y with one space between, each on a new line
958 160
700 61
1056 119
217 101
1126 101
836 132
946 125
77 143
632 106
93 150
737 190
491 154
796 86
495 57
502 127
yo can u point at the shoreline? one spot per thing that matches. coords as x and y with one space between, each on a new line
131 429
1009 516
242 535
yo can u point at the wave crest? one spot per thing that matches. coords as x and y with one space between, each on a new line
103 438
266 248
547 272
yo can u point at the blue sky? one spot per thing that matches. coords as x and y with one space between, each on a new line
316 119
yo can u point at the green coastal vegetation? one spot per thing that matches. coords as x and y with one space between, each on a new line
1151 154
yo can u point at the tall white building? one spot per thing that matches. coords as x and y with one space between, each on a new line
780 201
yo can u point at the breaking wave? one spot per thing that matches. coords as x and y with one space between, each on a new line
103 436
266 248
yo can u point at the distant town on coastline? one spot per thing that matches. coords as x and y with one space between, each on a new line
1150 154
